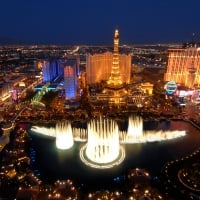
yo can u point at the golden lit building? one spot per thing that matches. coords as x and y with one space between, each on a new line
115 70
147 88
115 86
98 67
184 67
114 91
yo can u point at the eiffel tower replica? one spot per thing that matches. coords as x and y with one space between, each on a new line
115 88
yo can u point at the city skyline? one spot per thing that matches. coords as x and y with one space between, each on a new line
88 22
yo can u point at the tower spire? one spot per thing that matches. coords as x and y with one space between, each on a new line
115 78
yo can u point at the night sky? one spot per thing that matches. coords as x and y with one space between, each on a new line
94 21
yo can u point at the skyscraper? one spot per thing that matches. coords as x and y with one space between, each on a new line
98 67
51 69
71 68
184 66
46 71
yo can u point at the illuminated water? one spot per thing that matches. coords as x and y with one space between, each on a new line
103 141
53 164
103 149
64 137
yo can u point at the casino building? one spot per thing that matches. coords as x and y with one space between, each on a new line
56 70
183 70
51 69
100 66
107 67
115 88
184 67
71 71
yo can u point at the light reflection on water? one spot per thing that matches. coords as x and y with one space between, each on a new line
55 164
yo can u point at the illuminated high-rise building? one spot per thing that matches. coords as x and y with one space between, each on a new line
46 71
71 70
51 70
99 66
184 66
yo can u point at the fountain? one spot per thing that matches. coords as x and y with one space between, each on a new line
136 134
103 141
64 137
135 128
103 148
62 132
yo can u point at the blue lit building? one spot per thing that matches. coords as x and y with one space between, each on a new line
71 70
51 70
46 71
55 71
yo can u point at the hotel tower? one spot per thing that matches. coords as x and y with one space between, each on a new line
99 66
71 70
184 67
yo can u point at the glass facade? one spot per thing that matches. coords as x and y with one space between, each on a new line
70 78
51 70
